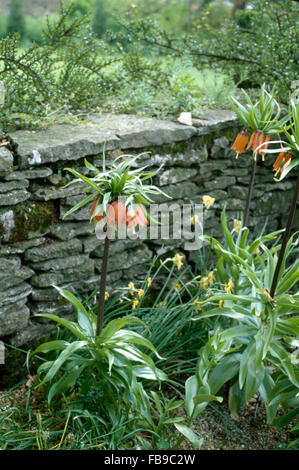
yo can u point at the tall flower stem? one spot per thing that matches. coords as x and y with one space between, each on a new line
250 189
285 238
103 286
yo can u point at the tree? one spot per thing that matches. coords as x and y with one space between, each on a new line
16 19
238 5
99 21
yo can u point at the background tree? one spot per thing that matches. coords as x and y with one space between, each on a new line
99 21
238 5
16 19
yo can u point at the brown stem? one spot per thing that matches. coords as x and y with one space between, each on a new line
103 286
285 238
250 189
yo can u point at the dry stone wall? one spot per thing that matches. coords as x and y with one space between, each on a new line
38 248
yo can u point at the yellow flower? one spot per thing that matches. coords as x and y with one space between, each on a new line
220 303
197 305
229 286
106 295
207 281
211 278
177 261
237 225
257 251
208 201
132 287
193 219
204 282
149 282
178 286
135 303
140 293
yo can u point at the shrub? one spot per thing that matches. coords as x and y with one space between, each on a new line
266 51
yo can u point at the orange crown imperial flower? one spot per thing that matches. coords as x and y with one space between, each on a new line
281 162
257 140
240 142
119 214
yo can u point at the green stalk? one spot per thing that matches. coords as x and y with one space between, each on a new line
250 190
285 238
103 286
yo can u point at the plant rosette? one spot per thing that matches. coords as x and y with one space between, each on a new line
119 194
288 151
260 120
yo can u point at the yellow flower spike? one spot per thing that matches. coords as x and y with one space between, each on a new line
211 278
208 201
177 260
132 287
149 282
197 305
135 303
193 219
221 303
106 295
204 283
257 251
229 286
237 225
140 293
178 286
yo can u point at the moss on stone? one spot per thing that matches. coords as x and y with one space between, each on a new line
32 217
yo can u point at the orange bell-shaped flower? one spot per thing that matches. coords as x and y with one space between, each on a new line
240 142
98 217
137 219
256 142
281 162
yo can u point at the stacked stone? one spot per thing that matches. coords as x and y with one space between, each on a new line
40 247
14 291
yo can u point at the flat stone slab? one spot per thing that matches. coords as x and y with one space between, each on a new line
215 120
29 174
71 142
6 161
54 250
14 197
8 280
20 247
67 230
84 271
31 332
15 294
122 131
13 318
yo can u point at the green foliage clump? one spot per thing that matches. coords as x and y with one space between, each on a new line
262 48
64 74
259 346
